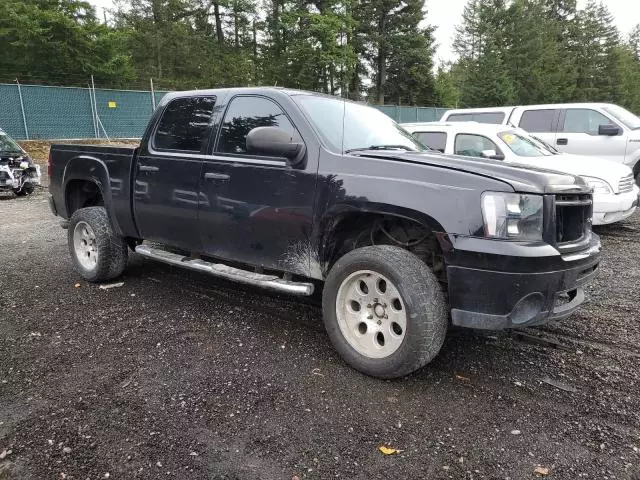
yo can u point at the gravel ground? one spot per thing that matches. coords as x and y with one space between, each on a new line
178 375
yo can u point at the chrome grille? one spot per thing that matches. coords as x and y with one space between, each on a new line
626 184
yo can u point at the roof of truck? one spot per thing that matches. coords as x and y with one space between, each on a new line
536 106
475 127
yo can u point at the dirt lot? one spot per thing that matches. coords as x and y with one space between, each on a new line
178 375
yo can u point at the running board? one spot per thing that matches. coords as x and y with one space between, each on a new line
271 282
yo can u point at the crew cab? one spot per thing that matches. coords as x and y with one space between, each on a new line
615 196
603 130
295 191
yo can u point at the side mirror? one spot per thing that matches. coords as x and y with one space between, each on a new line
492 154
608 130
274 142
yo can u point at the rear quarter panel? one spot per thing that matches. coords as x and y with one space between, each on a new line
108 167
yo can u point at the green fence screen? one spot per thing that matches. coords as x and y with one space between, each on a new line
67 112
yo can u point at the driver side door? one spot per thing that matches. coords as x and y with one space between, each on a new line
258 209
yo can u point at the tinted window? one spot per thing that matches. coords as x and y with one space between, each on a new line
184 124
246 113
537 120
480 117
460 117
582 120
435 140
473 145
489 117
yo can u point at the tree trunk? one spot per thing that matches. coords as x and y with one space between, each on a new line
216 14
236 39
381 72
157 20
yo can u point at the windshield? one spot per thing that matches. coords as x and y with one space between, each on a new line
347 126
524 146
625 117
7 144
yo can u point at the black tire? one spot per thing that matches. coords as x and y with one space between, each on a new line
112 249
427 317
25 190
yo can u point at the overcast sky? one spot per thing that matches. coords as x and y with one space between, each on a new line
446 14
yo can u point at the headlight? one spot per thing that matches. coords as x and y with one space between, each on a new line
512 216
598 185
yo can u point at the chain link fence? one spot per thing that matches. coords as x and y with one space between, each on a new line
31 112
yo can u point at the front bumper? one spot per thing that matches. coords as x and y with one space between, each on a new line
495 285
614 207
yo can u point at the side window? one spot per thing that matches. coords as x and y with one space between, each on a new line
537 120
460 117
184 125
489 117
582 120
243 115
434 140
473 145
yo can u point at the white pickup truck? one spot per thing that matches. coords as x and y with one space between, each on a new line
615 197
603 130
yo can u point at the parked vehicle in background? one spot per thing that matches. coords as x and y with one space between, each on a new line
296 190
18 173
615 195
603 130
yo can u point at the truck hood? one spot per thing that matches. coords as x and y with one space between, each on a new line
580 165
523 179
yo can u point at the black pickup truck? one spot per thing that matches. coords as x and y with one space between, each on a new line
292 191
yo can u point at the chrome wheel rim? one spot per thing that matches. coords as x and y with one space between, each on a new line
371 314
85 245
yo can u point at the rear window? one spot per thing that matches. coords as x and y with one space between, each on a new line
480 117
538 120
184 124
460 117
434 140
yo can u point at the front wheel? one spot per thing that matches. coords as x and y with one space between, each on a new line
98 254
384 311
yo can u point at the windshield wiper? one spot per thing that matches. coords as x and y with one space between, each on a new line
380 147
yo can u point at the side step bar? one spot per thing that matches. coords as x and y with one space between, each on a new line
271 282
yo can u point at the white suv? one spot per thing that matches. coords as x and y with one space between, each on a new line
615 196
595 129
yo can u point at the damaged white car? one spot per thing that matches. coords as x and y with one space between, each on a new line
18 173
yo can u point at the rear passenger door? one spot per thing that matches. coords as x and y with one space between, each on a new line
543 123
578 134
259 209
167 173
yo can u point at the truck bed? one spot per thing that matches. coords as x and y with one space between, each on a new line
108 166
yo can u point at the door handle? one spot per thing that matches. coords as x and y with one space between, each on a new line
562 141
147 168
216 176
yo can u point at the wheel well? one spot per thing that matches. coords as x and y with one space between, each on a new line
363 229
636 171
81 194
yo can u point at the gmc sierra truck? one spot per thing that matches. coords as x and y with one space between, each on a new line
295 191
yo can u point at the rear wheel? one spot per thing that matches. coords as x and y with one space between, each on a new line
98 254
384 311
